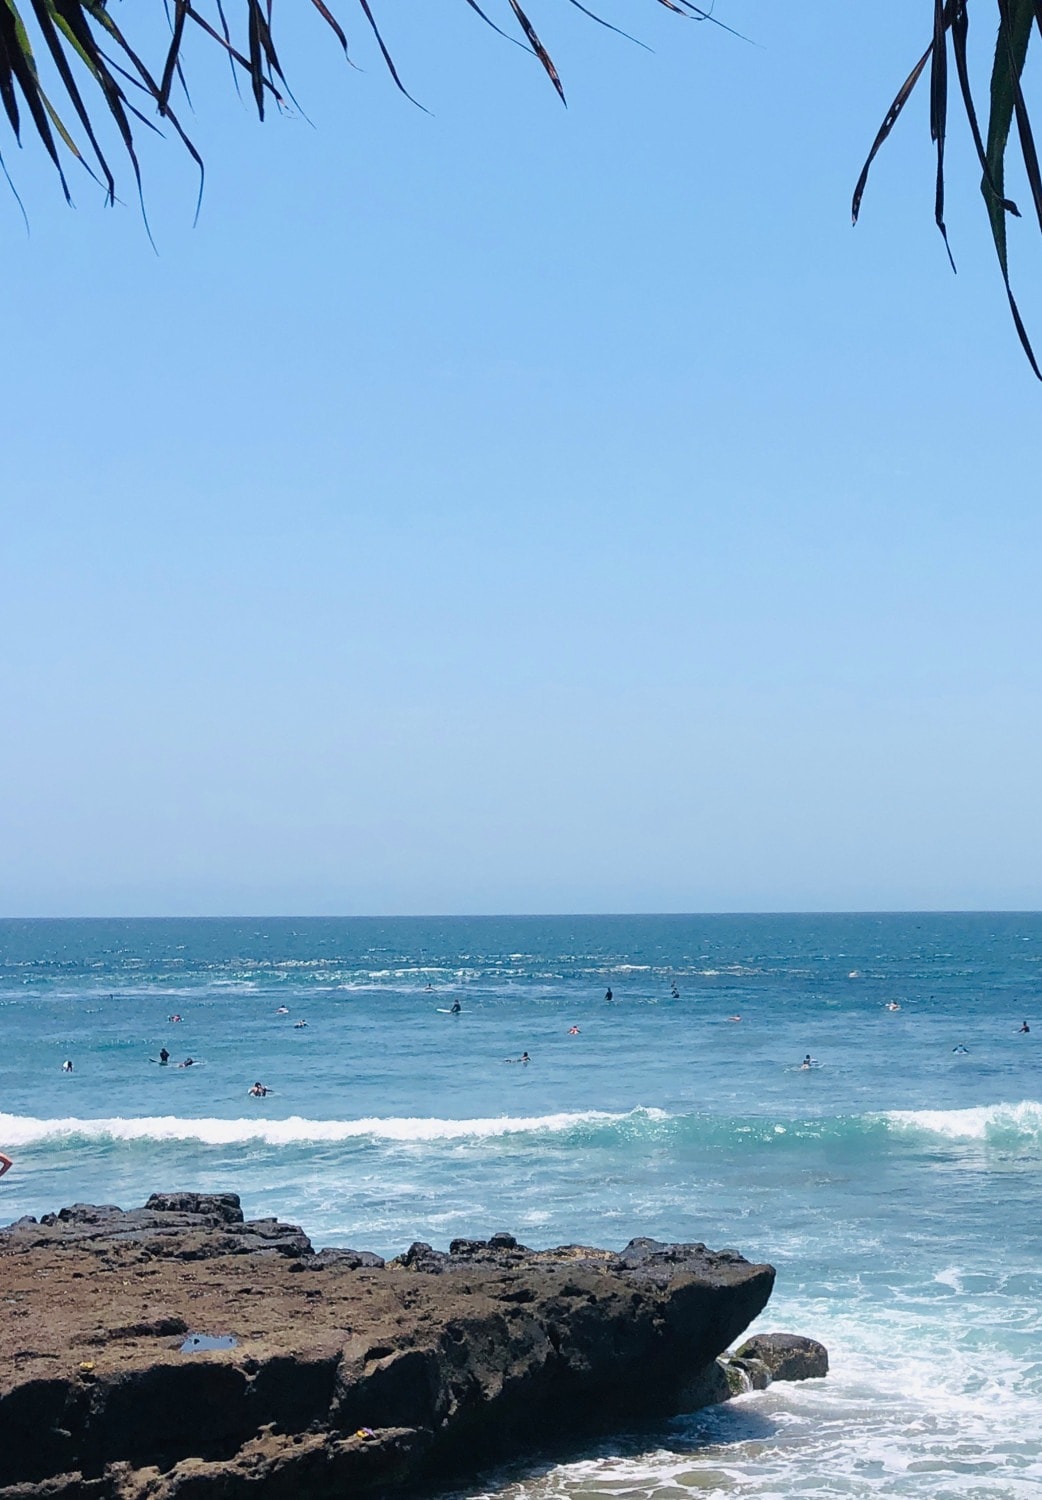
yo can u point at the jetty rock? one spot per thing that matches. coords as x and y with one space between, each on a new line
181 1350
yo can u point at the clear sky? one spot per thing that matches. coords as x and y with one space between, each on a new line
512 508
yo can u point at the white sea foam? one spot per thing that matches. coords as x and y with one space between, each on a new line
25 1130
989 1122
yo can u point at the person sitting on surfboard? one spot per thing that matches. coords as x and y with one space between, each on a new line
456 1008
164 1056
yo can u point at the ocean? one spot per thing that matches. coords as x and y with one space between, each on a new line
895 1185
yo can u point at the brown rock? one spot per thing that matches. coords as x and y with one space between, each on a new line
353 1379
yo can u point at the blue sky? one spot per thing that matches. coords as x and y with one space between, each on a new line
512 508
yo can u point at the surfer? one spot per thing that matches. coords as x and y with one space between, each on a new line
298 1024
734 1018
174 1018
456 1008
573 1031
67 1065
189 1062
892 1005
283 1010
1023 1027
809 1062
675 993
258 1090
524 1058
5 1164
164 1056
961 1050
608 995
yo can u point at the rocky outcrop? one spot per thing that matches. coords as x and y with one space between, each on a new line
181 1350
785 1356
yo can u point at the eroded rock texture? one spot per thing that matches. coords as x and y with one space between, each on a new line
347 1376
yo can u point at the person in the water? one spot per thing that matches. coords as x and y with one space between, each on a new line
524 1058
189 1062
175 1018
961 1050
5 1164
164 1056
675 993
608 994
298 1024
67 1065
1023 1027
809 1062
455 1008
573 1031
283 1010
258 1090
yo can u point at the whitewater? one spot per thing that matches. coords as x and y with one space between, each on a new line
895 1185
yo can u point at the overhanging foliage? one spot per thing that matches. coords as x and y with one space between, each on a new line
99 74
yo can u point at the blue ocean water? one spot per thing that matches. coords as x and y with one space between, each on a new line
895 1186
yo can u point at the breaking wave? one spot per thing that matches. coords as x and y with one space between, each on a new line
999 1125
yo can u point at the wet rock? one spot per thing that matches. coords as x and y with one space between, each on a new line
753 1373
787 1356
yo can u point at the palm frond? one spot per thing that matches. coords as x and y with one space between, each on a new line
1017 21
98 75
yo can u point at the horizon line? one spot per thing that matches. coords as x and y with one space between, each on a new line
535 916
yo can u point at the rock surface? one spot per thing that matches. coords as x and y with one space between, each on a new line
340 1375
786 1356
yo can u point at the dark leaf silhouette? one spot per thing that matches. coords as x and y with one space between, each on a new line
1017 21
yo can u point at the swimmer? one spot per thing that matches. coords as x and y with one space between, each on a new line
524 1058
164 1056
5 1164
283 1010
298 1024
892 1005
67 1065
189 1062
1022 1028
961 1050
258 1090
175 1018
428 985
573 1031
608 995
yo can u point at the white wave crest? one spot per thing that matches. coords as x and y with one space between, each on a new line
24 1130
988 1122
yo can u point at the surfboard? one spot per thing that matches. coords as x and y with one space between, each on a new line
444 1011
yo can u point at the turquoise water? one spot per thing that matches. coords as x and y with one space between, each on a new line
896 1186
